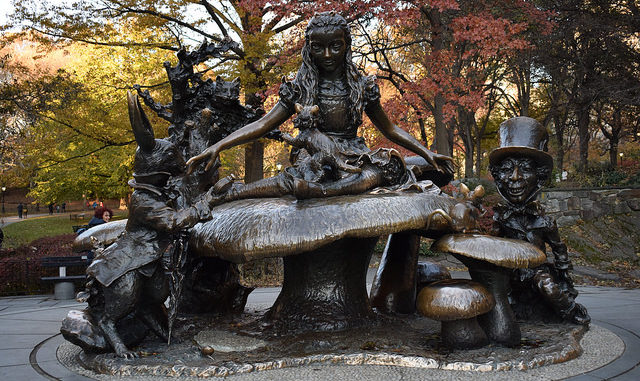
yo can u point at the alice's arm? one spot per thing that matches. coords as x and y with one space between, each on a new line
404 139
252 131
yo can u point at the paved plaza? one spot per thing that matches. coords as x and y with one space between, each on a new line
29 339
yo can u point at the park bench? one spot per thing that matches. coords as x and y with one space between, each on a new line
79 227
64 287
76 216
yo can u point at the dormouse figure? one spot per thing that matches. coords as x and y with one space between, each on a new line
325 156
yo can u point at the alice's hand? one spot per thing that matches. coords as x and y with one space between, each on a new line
210 153
446 165
441 163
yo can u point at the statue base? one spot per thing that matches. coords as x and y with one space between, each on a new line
410 341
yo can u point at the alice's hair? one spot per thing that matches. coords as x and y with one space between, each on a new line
308 75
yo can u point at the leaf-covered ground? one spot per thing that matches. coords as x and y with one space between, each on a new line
609 245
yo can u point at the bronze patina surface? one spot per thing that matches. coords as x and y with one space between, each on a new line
521 167
245 230
503 252
105 234
410 341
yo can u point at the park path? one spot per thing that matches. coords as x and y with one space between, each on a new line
8 220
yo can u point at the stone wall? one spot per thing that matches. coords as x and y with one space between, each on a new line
570 205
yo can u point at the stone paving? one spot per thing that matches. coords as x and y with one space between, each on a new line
29 340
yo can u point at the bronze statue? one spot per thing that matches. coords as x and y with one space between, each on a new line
201 112
329 159
329 79
325 155
521 167
127 279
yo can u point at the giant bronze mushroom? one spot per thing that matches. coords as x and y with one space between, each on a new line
326 245
490 261
103 234
456 303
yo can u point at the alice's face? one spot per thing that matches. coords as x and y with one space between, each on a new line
517 179
328 48
106 216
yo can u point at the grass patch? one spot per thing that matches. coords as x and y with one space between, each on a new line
28 230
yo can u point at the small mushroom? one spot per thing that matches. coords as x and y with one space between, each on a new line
490 261
456 303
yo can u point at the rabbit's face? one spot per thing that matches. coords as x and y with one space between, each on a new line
156 166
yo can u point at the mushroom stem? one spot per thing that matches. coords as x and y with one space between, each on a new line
463 334
500 323
394 286
325 289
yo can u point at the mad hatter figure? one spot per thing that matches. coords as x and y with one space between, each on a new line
521 167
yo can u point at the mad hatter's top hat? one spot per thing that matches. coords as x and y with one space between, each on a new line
522 136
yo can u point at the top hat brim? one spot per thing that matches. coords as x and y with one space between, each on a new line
541 157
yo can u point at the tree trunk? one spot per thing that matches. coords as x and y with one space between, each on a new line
583 111
478 156
253 160
613 153
466 120
423 131
559 135
468 163
441 140
441 143
254 151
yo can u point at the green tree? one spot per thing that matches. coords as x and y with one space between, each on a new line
73 129
267 34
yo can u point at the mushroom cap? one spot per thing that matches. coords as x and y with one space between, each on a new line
245 230
454 299
105 233
503 252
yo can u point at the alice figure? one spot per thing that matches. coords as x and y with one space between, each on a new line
329 79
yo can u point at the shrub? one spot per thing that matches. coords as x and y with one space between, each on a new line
20 269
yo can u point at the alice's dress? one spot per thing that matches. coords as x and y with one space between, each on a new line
340 121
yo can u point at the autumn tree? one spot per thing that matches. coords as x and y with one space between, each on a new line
72 132
592 51
443 58
267 34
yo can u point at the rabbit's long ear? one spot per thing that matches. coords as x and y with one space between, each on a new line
141 126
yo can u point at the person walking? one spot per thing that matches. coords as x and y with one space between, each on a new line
20 209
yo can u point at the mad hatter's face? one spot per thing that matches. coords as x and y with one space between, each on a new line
516 179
